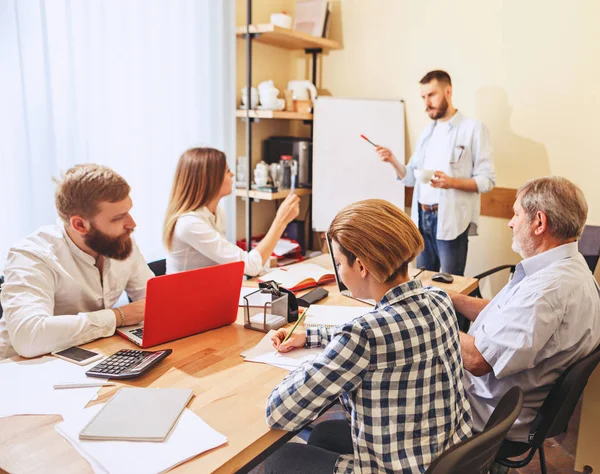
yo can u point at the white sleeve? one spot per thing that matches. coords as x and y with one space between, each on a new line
28 304
205 239
484 173
140 274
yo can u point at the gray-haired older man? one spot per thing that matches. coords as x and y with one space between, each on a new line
545 319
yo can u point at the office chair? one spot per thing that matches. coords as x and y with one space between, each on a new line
158 267
589 245
554 414
475 455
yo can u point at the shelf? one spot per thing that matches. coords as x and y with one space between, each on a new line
267 196
274 114
286 38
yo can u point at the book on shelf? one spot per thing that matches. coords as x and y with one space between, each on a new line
300 276
319 315
311 16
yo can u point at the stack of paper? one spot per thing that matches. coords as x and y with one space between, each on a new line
28 387
190 436
264 353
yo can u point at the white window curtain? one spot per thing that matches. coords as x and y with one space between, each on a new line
129 84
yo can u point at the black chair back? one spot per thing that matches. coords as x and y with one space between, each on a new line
553 416
158 267
589 245
475 455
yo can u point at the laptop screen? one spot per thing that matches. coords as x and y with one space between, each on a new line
340 284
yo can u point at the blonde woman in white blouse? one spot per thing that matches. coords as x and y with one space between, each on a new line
194 229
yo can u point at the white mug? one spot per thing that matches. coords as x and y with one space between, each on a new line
424 176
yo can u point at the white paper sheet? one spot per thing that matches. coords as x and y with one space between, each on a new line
190 436
264 353
28 387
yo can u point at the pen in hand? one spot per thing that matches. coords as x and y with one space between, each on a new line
374 144
291 331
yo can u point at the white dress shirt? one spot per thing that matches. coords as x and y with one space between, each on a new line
199 241
54 298
436 157
543 321
468 155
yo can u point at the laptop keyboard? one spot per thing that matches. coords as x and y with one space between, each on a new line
139 332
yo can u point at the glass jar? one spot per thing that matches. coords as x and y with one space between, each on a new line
285 172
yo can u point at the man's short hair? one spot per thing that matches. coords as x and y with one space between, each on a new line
441 76
563 203
83 187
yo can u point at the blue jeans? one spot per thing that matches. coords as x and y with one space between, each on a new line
451 255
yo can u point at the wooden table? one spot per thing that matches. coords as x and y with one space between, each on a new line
230 396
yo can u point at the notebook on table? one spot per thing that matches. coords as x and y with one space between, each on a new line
331 316
300 276
138 414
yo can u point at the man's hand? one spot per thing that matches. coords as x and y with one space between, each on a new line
297 339
134 313
385 154
289 209
442 180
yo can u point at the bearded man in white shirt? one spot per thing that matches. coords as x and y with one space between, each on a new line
62 281
451 166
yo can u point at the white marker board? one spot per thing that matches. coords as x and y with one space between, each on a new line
346 168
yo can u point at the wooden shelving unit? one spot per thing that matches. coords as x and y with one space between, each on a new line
274 114
286 38
267 196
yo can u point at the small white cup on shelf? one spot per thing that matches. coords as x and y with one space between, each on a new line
282 20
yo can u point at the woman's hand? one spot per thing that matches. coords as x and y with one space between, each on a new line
289 209
297 339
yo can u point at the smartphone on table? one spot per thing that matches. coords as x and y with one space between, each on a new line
77 355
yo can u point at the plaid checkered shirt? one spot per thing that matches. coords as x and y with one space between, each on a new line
398 373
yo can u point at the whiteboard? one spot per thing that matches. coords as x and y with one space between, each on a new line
346 168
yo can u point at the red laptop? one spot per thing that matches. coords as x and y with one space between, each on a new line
186 303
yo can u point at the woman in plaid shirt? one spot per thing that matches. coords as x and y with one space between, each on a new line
397 370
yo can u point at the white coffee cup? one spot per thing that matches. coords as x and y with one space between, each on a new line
424 176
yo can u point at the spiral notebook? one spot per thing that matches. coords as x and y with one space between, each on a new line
138 414
332 316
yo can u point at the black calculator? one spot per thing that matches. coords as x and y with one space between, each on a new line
127 364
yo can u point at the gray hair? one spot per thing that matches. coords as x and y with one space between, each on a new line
563 203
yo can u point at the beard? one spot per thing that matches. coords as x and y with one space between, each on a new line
117 248
436 113
522 243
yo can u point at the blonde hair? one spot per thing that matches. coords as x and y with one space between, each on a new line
378 233
198 178
563 203
83 187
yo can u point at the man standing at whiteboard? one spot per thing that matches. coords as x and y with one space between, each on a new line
446 203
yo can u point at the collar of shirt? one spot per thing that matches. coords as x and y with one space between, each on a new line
537 262
401 292
205 212
453 122
76 251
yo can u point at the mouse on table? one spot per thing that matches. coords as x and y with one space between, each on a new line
443 277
